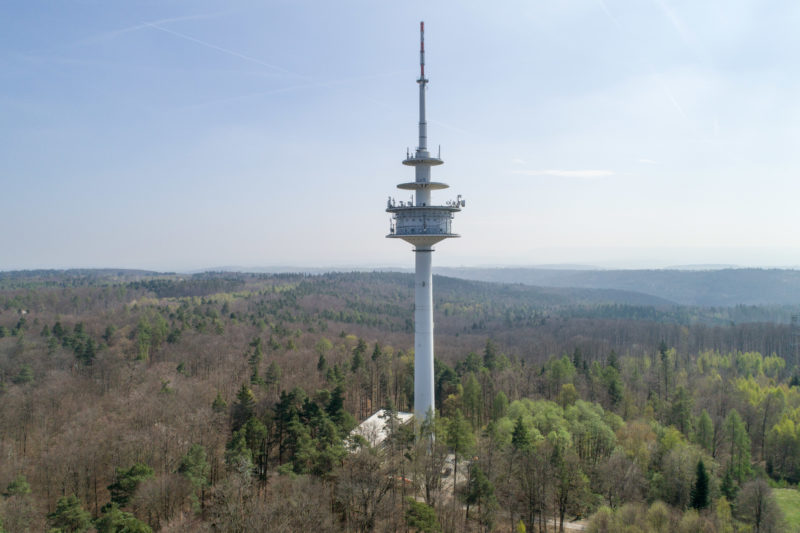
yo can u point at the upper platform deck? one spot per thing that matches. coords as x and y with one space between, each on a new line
417 185
425 160
407 209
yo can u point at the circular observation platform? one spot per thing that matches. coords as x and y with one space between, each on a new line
417 185
422 209
431 161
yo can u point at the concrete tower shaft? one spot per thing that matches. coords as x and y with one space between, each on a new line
423 224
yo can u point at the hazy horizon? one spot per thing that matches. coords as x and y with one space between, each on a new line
409 267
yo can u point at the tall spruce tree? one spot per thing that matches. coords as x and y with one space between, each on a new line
700 488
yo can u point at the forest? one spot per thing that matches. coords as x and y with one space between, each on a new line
135 401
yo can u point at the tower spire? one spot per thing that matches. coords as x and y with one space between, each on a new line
423 125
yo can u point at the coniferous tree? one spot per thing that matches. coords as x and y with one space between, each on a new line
520 439
123 489
490 355
70 516
704 433
195 468
422 517
219 404
700 488
114 520
480 492
243 408
460 439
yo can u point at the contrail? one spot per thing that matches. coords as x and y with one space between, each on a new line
221 49
608 14
655 74
113 33
676 22
669 95
299 87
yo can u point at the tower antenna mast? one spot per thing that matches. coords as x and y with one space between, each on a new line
423 125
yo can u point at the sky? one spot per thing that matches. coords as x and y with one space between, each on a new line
184 135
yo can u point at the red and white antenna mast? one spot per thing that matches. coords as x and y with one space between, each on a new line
423 125
422 50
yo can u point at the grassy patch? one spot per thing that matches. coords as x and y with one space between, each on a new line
789 502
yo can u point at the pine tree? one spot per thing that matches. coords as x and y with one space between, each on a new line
700 488
219 404
422 517
123 489
70 516
520 439
490 355
243 408
19 486
114 520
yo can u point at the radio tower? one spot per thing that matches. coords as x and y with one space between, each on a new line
422 224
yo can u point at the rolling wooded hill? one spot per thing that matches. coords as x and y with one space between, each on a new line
724 287
140 401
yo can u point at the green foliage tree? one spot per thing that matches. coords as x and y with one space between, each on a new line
704 432
461 440
422 517
569 482
238 457
17 507
613 385
558 371
255 359
723 515
471 399
25 375
144 338
738 448
357 362
323 346
18 487
472 363
272 377
499 406
658 517
108 334
480 493
127 481
520 439
219 405
69 516
783 447
244 407
700 494
114 520
195 468
681 410
490 355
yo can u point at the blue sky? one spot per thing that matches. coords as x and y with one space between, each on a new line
184 135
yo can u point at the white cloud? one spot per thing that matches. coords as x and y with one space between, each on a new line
559 173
